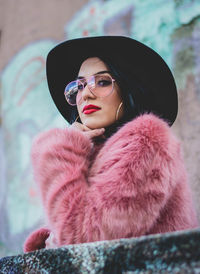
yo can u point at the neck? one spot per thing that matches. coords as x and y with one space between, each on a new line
109 131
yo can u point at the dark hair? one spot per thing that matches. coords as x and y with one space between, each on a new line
134 95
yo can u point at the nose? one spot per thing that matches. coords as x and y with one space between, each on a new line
86 94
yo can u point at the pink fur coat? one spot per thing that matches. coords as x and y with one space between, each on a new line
134 184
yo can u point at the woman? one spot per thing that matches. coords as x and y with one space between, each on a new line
117 171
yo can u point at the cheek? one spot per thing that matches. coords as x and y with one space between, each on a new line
79 110
109 112
78 98
114 102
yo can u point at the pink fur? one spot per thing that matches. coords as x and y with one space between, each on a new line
36 240
134 185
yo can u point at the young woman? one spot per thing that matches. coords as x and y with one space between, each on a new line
117 171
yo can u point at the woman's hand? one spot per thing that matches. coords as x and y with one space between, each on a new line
51 241
91 133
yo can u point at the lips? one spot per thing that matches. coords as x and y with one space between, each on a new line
90 109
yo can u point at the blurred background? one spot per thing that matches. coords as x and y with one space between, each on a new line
28 30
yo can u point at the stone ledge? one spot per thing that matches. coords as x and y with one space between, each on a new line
177 252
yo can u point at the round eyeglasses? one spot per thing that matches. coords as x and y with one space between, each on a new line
100 85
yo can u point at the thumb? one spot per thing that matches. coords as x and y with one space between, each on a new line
95 132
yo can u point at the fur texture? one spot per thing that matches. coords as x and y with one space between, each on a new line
134 185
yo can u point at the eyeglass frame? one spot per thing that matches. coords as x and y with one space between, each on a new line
90 77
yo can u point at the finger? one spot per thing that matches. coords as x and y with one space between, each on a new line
82 127
95 132
85 128
79 126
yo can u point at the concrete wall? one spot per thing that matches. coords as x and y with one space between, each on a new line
28 30
176 252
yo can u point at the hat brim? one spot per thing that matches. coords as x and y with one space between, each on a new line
64 61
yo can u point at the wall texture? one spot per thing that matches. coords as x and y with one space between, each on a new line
176 252
28 30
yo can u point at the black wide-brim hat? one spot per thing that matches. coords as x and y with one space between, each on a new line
133 57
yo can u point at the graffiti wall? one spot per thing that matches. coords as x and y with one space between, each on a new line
172 28
26 110
151 22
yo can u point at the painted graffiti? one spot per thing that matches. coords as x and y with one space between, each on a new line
25 100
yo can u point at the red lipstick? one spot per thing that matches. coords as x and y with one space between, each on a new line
90 109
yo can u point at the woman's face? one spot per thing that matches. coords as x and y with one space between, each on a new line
107 106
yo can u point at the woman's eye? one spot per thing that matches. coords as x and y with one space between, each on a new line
104 83
80 87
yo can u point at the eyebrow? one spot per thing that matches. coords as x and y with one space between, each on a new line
100 72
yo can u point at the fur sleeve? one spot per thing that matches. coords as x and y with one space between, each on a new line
36 240
60 165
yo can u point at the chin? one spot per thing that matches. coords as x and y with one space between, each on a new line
96 123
